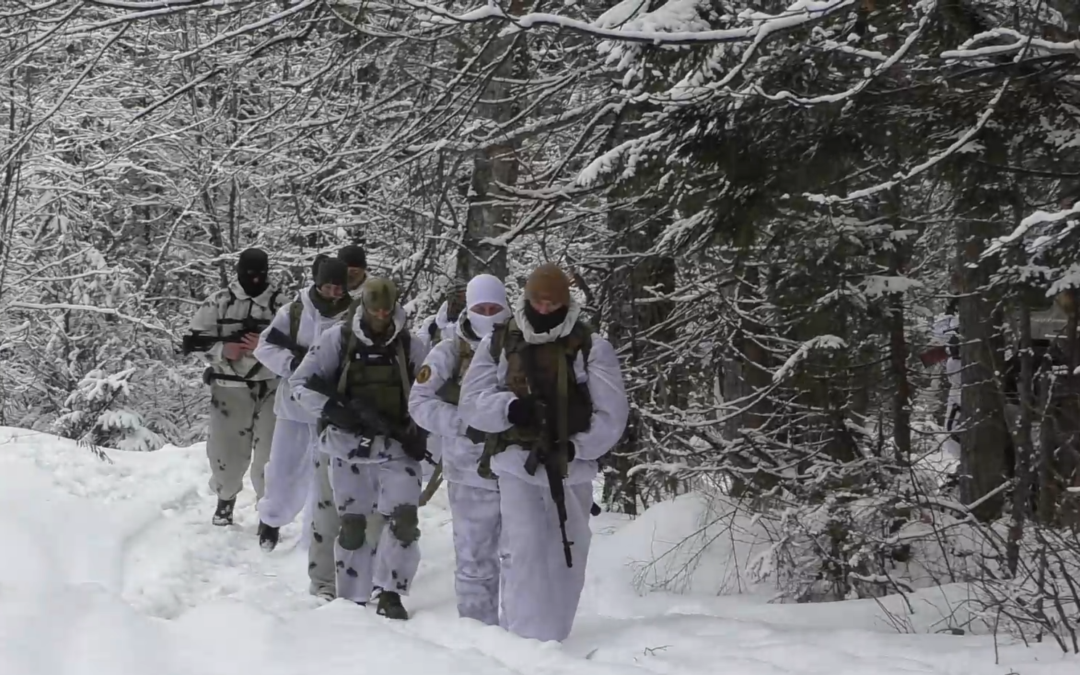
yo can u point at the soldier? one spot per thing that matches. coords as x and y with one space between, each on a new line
474 499
325 522
433 330
226 330
355 259
356 380
441 325
552 394
282 346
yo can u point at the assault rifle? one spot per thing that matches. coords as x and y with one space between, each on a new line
369 420
556 467
198 341
277 338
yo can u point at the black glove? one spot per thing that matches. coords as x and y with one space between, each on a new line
414 443
571 452
522 412
339 416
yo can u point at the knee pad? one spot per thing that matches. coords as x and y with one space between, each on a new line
352 532
405 524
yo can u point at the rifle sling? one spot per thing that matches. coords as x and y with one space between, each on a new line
246 320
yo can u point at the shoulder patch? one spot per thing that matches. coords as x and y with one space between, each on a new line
424 375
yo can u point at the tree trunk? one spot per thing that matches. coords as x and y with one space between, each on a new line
495 164
985 439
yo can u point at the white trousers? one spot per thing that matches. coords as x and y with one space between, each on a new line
289 474
541 593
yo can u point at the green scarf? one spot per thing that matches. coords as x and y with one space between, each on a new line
327 307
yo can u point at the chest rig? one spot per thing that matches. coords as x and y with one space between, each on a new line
377 373
545 371
450 391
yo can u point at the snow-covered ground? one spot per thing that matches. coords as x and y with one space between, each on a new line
114 569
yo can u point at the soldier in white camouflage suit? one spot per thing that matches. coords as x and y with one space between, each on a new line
225 329
551 392
356 379
474 499
282 345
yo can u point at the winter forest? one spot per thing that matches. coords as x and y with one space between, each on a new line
766 205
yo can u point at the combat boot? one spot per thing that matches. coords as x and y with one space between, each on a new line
323 593
268 536
390 606
224 513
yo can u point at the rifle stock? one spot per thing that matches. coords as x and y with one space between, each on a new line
199 341
278 339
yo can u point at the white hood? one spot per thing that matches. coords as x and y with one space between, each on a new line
559 331
399 321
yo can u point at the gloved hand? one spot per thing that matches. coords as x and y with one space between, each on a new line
522 412
414 443
339 416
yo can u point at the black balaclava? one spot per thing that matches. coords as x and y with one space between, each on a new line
547 282
253 272
544 323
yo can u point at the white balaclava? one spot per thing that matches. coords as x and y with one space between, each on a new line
485 288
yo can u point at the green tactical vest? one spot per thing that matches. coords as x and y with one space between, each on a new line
375 373
551 378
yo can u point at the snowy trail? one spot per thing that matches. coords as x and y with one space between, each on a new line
115 569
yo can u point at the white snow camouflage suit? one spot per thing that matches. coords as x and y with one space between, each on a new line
366 475
541 593
241 413
433 330
474 500
291 480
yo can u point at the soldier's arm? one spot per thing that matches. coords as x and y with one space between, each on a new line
422 335
483 403
426 408
277 360
205 321
418 351
610 405
323 359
